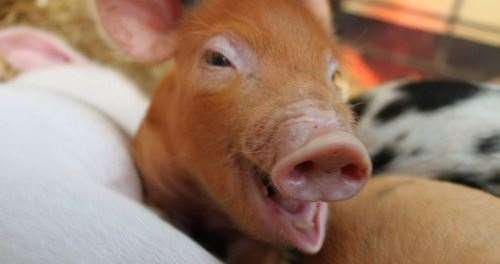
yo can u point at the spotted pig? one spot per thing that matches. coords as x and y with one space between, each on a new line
444 129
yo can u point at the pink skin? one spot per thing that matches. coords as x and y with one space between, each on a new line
28 49
147 33
329 167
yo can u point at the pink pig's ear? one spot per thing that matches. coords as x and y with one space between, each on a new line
143 29
321 10
27 49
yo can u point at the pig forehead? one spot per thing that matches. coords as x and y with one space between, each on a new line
271 28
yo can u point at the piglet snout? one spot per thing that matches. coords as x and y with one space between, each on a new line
329 167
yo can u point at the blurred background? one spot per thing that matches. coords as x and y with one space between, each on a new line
381 39
426 38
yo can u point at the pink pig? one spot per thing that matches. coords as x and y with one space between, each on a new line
70 192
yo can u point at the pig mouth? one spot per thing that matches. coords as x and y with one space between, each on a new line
292 197
299 223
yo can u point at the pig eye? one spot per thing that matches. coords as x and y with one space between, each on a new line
335 76
334 71
214 58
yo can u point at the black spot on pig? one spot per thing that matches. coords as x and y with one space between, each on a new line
470 179
382 159
489 145
432 95
393 110
427 96
359 106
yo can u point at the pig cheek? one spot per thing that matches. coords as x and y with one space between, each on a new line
250 221
211 147
230 191
254 142
257 134
219 118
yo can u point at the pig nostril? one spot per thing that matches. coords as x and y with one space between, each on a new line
327 169
352 171
304 167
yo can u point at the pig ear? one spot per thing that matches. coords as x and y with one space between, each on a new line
143 29
321 10
27 49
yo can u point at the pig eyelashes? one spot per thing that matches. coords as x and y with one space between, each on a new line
216 59
221 52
